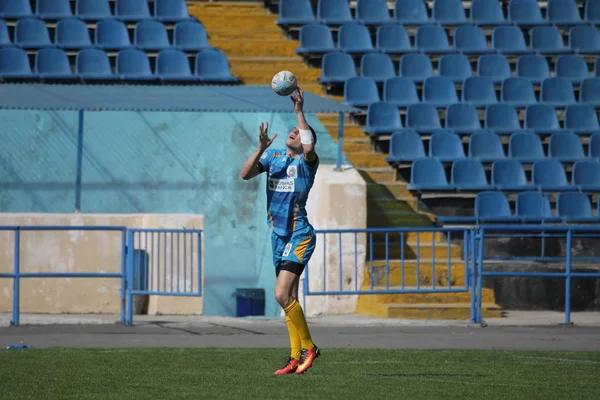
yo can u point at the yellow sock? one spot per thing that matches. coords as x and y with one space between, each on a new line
294 311
295 343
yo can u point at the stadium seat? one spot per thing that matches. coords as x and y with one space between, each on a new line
406 146
53 9
360 91
432 39
423 118
150 35
111 34
471 40
547 40
549 175
525 147
439 91
372 12
525 12
575 207
72 33
31 33
501 118
382 118
92 64
14 63
565 147
591 12
400 91
4 36
133 64
190 36
563 12
594 146
446 146
586 175
581 118
53 63
479 91
334 12
417 67
92 10
462 118
173 65
428 175
171 10
468 174
493 207
533 67
541 118
509 40
393 39
377 66
212 66
494 66
336 68
571 67
315 39
411 12
557 92
448 12
597 67
354 38
584 39
509 175
486 147
132 10
15 9
518 92
455 67
534 207
589 91
295 12
487 13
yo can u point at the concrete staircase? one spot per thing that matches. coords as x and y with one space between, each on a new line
257 49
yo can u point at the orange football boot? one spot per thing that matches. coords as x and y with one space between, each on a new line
306 359
289 368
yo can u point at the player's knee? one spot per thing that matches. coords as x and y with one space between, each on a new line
283 297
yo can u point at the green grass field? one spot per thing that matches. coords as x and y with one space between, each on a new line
337 374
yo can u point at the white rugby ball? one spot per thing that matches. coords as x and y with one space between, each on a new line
284 83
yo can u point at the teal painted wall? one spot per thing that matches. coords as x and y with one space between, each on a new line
151 162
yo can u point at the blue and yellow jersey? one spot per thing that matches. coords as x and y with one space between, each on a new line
289 181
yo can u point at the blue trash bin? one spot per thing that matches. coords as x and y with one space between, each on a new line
250 302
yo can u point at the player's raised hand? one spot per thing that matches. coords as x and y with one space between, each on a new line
263 138
298 99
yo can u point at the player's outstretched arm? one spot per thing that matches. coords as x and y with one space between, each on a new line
306 137
251 167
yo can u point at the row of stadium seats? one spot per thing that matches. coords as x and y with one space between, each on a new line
337 68
530 207
91 64
548 175
444 12
72 33
93 10
355 38
407 146
384 118
362 91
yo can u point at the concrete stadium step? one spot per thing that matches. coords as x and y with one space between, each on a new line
255 47
393 273
333 118
350 131
264 33
239 23
367 160
392 218
256 71
381 174
487 296
231 8
411 237
454 311
394 188
356 145
410 251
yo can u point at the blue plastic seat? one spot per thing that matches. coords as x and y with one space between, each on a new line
446 146
212 66
448 12
400 91
586 175
111 34
53 9
493 207
411 12
502 118
584 39
518 92
417 67
92 10
171 10
53 63
565 147
549 175
462 118
571 67
594 146
525 147
455 67
563 12
487 13
4 36
509 40
334 12
432 39
133 64
151 35
581 118
173 65
372 12
93 64
494 66
382 118
406 146
591 11
14 63
557 91
534 207
486 147
132 10
525 12
575 207
315 39
295 12
377 66
468 174
360 91
548 40
15 9
190 36
72 33
533 67
31 33
354 38
439 91
423 118
509 175
471 40
479 91
336 68
541 118
393 39
428 175
589 91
